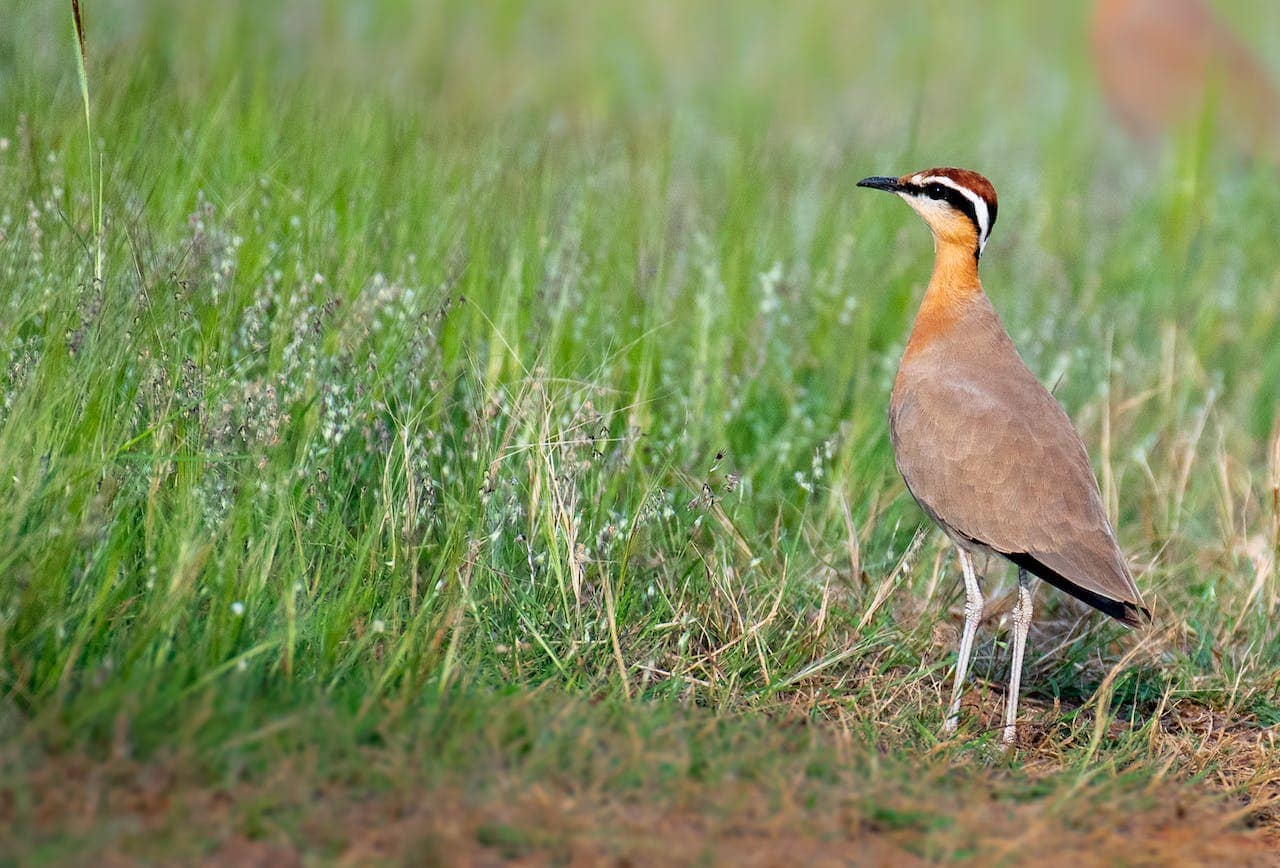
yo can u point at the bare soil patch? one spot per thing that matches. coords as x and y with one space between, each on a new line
73 810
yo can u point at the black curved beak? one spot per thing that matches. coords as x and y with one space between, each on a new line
889 185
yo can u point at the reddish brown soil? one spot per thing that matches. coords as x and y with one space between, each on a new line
73 811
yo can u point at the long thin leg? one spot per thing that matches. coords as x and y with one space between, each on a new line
972 615
1021 624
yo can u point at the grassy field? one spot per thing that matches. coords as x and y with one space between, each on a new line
462 438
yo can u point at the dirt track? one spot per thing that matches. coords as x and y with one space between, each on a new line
122 813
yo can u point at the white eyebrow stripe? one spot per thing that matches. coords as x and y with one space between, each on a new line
979 204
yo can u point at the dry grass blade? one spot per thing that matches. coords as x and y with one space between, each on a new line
79 24
891 581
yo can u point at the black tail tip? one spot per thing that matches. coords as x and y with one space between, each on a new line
1127 613
1131 615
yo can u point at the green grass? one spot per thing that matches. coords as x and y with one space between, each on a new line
476 395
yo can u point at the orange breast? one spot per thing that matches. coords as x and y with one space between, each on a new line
954 282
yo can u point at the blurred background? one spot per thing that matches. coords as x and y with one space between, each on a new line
716 102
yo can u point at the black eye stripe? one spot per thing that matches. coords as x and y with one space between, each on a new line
954 198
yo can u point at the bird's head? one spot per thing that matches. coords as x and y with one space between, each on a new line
959 205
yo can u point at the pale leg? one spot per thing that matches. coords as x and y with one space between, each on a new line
1021 624
972 615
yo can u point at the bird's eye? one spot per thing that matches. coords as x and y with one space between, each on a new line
935 191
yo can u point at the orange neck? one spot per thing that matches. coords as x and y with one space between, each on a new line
955 280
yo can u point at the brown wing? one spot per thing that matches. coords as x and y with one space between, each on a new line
993 458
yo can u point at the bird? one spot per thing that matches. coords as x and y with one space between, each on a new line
1160 63
983 447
